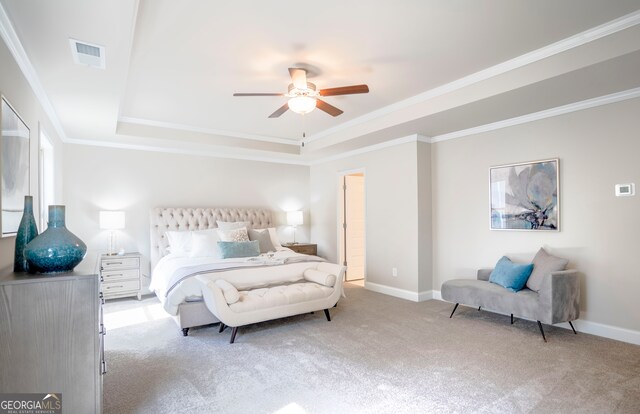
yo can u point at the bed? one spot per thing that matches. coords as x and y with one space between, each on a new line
177 281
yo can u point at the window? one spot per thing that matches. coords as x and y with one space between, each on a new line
47 178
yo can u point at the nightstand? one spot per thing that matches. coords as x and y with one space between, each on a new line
120 275
303 248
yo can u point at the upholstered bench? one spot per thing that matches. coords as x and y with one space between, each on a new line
319 289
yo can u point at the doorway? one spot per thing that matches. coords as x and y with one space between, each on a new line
352 222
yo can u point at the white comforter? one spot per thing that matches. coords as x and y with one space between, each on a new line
173 278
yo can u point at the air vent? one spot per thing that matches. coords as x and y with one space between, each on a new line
87 54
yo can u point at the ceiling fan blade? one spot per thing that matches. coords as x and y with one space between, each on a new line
330 109
258 94
298 77
345 90
280 111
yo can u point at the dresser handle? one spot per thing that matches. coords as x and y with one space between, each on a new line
114 287
113 263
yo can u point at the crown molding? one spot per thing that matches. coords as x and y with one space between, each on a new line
370 148
190 128
587 36
10 37
215 153
547 113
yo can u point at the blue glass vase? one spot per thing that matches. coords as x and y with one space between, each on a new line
27 231
56 249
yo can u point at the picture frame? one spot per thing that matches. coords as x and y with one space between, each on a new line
525 196
14 167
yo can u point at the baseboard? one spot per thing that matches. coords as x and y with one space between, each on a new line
399 293
586 326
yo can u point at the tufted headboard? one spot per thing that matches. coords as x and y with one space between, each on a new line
176 219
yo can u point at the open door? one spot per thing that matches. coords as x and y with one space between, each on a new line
353 252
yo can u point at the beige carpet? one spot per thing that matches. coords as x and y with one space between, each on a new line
379 354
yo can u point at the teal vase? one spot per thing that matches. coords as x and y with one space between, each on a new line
27 231
56 249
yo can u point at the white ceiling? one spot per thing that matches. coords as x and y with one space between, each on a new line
172 67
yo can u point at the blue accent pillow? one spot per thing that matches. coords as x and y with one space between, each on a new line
230 250
510 275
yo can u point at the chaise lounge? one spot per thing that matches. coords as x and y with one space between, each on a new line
557 299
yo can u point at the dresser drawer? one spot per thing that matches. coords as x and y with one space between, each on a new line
311 249
113 275
120 263
116 287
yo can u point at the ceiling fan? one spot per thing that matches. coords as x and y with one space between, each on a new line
304 98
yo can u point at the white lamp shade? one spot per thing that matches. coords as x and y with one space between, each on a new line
112 220
294 218
302 104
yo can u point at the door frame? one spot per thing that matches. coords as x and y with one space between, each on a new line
340 211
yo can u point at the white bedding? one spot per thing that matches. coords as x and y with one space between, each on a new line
173 278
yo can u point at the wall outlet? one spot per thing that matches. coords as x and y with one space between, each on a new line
394 272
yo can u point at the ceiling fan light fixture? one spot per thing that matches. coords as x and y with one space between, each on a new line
302 104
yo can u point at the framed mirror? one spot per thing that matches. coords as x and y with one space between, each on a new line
14 168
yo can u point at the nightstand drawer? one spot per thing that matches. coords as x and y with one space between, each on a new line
121 263
120 286
306 248
110 275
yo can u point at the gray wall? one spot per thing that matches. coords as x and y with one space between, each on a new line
15 88
599 232
391 190
137 181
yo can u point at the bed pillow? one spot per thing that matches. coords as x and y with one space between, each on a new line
232 249
231 225
264 240
543 264
204 244
275 240
510 275
179 242
235 235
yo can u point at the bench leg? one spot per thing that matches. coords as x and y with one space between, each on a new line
512 319
574 329
234 331
542 331
326 313
222 327
454 310
479 308
185 331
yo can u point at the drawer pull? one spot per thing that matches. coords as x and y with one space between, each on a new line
114 287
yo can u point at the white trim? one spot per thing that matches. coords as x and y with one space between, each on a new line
190 128
340 213
363 150
399 293
547 113
568 43
200 152
586 326
14 45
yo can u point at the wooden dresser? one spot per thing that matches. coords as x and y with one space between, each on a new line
51 338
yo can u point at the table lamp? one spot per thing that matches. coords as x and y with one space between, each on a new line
112 220
294 218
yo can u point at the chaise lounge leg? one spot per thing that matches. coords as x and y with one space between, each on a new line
574 329
326 313
542 331
222 327
453 311
512 319
185 331
234 331
479 308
